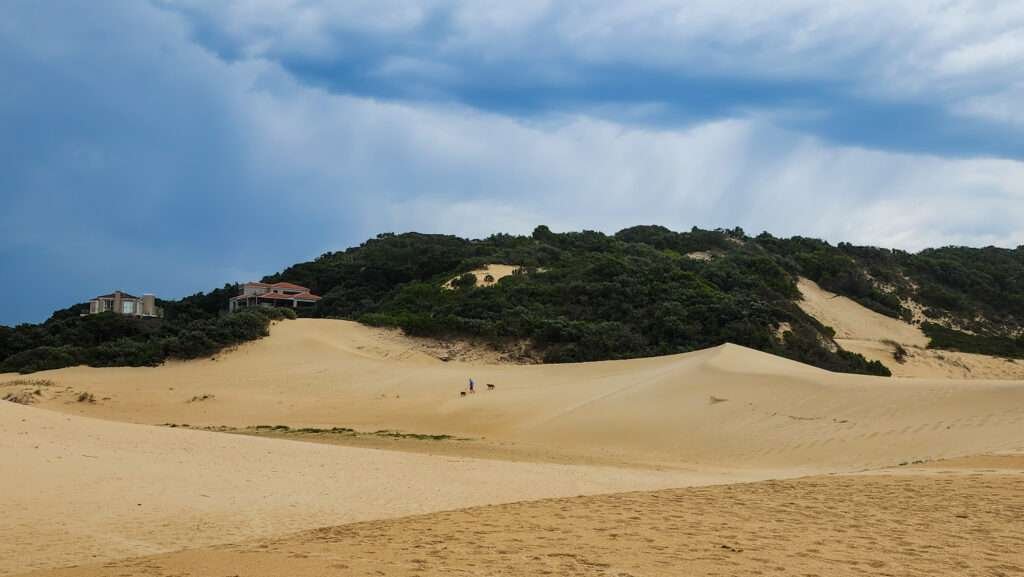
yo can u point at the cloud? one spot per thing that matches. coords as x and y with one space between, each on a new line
139 154
933 64
123 160
458 170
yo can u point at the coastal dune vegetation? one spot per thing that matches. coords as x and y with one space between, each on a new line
583 296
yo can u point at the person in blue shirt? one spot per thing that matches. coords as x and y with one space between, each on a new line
471 385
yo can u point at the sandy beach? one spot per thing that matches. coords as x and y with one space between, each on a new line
957 518
558 468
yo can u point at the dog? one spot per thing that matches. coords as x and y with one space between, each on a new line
490 387
462 393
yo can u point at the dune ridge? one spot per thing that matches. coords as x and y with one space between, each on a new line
724 407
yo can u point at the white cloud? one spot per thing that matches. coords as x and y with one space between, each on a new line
261 28
1004 105
457 170
360 165
948 52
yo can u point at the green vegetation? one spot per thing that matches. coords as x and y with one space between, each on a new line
417 436
980 289
31 383
899 352
582 296
343 431
953 340
108 339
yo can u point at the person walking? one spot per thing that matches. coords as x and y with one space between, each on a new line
472 385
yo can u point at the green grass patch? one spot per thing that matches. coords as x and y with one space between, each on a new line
417 436
344 431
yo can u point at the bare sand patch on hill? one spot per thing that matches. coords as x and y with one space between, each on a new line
861 330
488 275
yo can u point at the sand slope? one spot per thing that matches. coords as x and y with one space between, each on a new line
77 490
945 520
861 330
726 407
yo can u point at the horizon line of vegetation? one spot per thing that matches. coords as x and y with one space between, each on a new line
583 296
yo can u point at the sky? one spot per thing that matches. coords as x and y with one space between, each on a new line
172 146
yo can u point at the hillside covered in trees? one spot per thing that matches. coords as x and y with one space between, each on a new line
583 296
193 327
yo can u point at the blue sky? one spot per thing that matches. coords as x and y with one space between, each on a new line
172 146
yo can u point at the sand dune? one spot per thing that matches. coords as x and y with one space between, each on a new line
861 330
83 490
948 519
725 407
86 489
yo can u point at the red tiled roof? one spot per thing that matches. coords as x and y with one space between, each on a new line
307 296
289 286
300 292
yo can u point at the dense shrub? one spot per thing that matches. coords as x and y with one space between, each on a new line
583 296
950 339
108 340
464 281
42 359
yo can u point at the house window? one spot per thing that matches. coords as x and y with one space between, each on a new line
128 307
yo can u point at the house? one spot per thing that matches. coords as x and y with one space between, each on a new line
122 303
281 294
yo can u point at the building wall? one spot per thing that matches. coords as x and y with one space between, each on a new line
148 305
251 290
145 306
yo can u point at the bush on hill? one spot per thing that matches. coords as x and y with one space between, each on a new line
954 340
581 296
109 340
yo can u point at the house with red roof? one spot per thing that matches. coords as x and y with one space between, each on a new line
281 294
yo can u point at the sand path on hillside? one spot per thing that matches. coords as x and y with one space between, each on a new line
945 519
861 330
77 489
